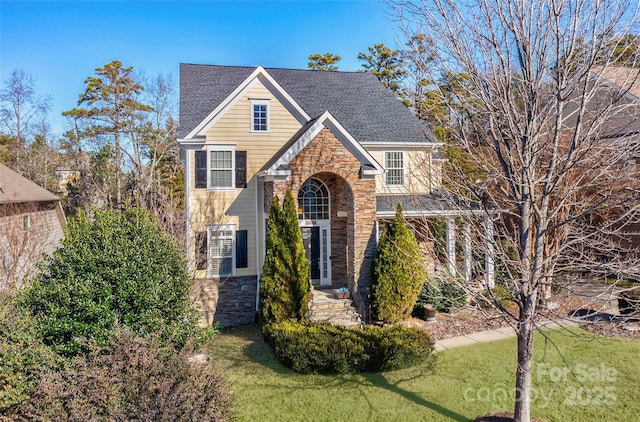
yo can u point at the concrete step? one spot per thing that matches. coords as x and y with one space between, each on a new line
325 308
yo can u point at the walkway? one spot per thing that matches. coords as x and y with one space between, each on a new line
494 335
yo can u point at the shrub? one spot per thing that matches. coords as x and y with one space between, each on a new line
131 378
284 282
629 302
445 295
397 272
116 268
306 347
22 357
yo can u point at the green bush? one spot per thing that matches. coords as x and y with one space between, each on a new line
629 302
306 347
445 295
131 378
116 268
284 282
397 272
22 357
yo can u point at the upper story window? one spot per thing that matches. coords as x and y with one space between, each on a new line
220 167
313 201
260 116
394 168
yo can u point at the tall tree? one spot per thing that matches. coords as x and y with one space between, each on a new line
113 111
539 126
397 272
21 107
388 66
327 61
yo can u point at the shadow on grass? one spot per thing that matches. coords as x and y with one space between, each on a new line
379 380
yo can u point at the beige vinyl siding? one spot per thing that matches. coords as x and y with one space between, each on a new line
238 206
420 175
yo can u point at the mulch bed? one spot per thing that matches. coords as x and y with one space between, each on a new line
473 318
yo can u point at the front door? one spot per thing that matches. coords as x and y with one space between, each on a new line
316 244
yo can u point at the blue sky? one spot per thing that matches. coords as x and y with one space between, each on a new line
61 43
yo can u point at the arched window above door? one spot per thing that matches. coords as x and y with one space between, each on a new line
313 201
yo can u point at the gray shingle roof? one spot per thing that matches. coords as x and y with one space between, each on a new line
18 189
368 110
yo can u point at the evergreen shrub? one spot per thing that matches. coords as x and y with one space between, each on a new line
446 295
307 347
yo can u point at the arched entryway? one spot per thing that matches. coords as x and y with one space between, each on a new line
314 214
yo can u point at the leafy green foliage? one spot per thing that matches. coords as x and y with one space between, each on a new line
446 295
326 62
284 283
132 378
117 268
22 357
397 272
306 347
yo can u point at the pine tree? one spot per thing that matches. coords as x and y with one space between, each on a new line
397 272
284 283
299 269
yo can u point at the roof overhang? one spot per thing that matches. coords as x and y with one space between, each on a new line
259 75
279 165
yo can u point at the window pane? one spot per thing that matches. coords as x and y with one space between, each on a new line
260 117
394 165
221 266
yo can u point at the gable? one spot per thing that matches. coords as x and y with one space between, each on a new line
278 165
369 111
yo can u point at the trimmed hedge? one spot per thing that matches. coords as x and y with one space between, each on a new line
307 347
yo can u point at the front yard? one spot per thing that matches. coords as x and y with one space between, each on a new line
594 378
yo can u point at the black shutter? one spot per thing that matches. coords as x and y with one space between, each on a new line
201 169
241 169
201 250
242 256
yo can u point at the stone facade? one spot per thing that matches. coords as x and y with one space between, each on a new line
353 208
229 302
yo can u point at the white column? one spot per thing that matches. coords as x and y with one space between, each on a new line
451 246
467 251
489 262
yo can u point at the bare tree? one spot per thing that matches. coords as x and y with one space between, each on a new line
552 139
20 107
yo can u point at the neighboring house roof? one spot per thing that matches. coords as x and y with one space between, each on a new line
623 85
17 189
367 110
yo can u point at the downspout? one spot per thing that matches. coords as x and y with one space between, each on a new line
259 213
187 199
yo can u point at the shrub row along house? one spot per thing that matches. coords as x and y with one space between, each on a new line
342 142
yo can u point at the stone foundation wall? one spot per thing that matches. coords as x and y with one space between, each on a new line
228 302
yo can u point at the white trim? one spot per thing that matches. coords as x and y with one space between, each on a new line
259 74
219 228
328 121
401 144
404 170
258 102
187 199
223 148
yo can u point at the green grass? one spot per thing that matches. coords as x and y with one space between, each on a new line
584 377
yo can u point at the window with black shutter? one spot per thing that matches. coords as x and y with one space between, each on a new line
201 250
242 256
241 169
201 169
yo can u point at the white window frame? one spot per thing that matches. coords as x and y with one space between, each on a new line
387 168
221 148
212 230
258 102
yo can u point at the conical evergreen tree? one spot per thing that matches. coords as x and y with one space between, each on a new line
299 269
284 283
397 272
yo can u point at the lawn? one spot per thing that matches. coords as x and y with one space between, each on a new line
577 377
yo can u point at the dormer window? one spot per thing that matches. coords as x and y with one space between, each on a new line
260 116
